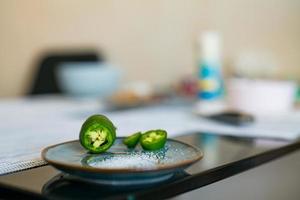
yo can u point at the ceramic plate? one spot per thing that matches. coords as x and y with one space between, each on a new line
120 165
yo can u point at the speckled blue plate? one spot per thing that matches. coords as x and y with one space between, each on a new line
120 165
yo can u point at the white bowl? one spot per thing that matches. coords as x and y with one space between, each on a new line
261 96
88 79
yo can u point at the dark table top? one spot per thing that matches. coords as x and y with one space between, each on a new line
224 156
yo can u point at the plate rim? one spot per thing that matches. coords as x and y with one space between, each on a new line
62 165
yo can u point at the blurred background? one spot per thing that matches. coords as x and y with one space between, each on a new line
133 53
152 43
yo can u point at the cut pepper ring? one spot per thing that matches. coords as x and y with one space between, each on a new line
97 134
153 139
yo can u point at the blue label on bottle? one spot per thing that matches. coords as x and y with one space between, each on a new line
210 82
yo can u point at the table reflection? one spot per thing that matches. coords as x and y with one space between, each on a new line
64 186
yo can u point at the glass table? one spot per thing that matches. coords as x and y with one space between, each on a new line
224 157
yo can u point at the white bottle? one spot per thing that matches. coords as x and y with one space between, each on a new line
210 81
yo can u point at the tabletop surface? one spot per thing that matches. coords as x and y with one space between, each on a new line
48 120
224 156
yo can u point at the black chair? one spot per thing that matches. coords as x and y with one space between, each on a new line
45 80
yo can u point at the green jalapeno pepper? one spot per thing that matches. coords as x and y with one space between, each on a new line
132 140
153 139
97 134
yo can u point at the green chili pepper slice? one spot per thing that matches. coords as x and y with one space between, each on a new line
153 139
132 140
97 134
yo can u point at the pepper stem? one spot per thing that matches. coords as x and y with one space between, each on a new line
97 137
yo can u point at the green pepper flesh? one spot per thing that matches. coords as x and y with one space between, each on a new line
132 140
97 134
153 139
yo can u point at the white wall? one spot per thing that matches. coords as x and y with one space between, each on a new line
153 36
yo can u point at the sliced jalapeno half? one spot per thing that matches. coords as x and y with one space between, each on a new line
132 140
153 139
97 134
